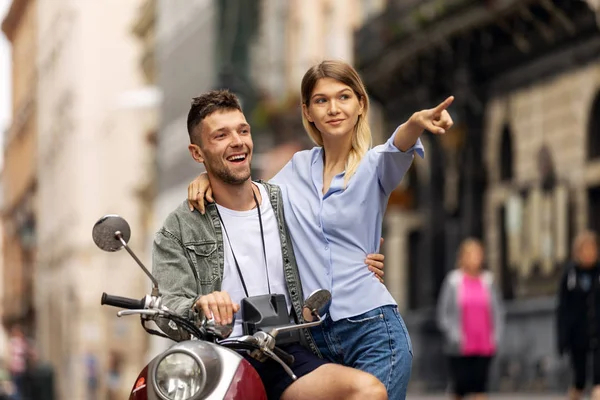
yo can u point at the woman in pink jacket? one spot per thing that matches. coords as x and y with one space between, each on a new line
471 317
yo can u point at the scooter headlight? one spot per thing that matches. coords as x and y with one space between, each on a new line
179 376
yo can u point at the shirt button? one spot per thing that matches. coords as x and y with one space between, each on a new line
326 247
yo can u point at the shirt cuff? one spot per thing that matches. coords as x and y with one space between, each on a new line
417 148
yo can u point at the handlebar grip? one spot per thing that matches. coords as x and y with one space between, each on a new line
285 356
122 302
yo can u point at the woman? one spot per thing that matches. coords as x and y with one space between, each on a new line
471 318
578 316
335 196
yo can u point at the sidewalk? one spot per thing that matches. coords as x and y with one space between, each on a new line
495 396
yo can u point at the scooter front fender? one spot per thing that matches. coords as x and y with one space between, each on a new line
233 379
140 388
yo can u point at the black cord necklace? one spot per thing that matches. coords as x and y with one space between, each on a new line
262 237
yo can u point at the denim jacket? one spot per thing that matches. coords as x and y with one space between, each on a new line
188 258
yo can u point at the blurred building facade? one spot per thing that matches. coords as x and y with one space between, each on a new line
260 50
19 178
3 333
290 39
184 52
81 146
147 100
86 141
519 170
293 36
185 68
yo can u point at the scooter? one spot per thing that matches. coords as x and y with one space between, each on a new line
206 363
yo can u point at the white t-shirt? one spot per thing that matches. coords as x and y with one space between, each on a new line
243 229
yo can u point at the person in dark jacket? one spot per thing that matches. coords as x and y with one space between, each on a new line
578 314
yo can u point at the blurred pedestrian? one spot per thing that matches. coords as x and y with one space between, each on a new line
471 317
114 375
18 360
92 373
39 378
6 386
578 313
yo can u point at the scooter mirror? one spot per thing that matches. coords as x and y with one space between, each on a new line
105 232
317 304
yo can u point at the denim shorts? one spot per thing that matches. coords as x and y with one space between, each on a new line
376 342
274 377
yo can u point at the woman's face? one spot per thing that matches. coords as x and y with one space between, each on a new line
472 258
588 253
334 108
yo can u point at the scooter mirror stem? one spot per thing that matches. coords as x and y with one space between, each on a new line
155 291
277 331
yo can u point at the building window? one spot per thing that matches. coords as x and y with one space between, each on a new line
506 155
594 209
415 292
406 195
593 141
506 281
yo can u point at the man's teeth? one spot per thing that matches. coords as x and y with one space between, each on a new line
236 158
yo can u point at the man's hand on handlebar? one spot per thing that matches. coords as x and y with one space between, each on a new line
219 306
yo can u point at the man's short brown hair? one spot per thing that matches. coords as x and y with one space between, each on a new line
206 104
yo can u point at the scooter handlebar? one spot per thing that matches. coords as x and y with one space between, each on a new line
123 302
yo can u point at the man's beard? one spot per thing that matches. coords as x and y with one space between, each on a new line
224 174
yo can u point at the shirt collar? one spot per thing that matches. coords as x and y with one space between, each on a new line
317 155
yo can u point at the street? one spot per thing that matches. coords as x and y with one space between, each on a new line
495 396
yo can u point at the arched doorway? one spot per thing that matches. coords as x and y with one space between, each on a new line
593 134
506 155
505 165
593 153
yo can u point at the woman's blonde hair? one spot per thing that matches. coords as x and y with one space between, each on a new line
346 74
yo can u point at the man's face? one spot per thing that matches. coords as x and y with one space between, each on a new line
225 146
588 253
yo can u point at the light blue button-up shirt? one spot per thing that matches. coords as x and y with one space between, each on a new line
333 233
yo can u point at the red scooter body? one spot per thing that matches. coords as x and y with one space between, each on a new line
246 384
201 369
140 388
237 380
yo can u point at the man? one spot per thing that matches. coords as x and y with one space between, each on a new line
577 319
241 247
